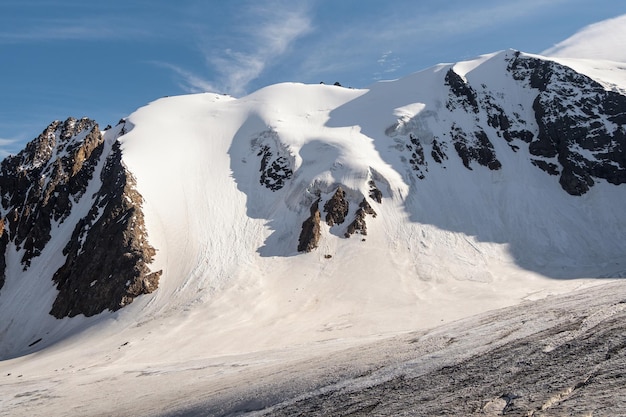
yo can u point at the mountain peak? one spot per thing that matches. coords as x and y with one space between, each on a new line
511 162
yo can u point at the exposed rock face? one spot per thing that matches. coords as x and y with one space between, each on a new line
475 147
45 185
310 234
417 160
577 130
41 184
4 240
276 167
375 193
359 225
337 208
437 152
108 256
572 112
462 93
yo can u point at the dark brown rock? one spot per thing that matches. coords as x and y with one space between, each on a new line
359 225
108 252
40 183
337 208
375 193
108 255
310 234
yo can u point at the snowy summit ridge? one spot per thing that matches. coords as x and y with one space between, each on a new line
507 161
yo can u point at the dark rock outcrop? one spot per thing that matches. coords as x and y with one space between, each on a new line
274 170
41 184
417 160
572 111
108 255
275 167
45 185
475 147
437 152
461 93
375 193
359 225
336 208
4 240
577 128
310 234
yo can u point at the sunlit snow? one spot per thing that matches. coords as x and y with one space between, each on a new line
236 296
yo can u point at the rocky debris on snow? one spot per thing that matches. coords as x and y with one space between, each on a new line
275 167
556 357
336 208
310 234
437 152
359 225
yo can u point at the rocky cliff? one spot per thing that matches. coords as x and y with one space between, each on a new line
71 178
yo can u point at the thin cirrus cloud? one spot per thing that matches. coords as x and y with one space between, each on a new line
62 30
270 36
6 146
188 81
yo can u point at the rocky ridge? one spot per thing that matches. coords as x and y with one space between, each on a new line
577 130
45 188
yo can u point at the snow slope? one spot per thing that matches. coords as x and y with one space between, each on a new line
236 292
599 41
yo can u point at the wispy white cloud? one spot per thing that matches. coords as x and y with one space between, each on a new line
388 63
63 30
7 142
6 147
269 32
188 81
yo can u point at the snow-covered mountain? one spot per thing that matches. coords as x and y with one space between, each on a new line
205 226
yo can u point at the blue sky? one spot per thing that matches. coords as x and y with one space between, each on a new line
61 58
